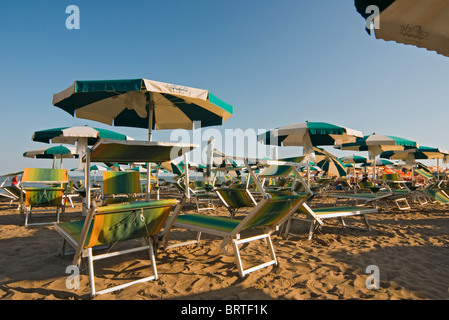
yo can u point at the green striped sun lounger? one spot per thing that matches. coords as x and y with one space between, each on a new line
317 216
43 188
439 196
266 216
108 225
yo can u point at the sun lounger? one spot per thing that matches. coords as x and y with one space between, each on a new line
108 225
267 216
317 216
43 188
13 194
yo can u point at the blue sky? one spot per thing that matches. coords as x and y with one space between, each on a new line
276 62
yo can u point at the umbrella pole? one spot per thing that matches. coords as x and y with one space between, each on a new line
438 169
150 128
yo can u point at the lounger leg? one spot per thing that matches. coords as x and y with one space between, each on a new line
90 265
153 260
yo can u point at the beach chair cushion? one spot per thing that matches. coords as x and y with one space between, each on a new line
50 196
122 222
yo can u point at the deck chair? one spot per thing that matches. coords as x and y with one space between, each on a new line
436 195
108 225
120 186
317 216
236 199
401 191
43 188
266 216
202 192
12 193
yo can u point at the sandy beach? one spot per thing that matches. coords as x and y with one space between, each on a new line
410 248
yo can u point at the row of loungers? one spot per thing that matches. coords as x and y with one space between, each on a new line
126 219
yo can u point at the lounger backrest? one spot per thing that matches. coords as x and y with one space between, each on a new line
43 175
121 182
43 194
122 222
236 198
273 211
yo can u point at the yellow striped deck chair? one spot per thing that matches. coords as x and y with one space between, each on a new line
266 217
43 188
120 186
108 225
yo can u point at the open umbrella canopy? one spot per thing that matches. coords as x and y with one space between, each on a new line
353 159
142 103
57 152
420 153
375 144
422 23
379 162
329 163
70 135
309 133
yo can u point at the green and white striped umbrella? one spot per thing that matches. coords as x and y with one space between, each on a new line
56 152
421 153
375 144
353 159
308 134
82 136
142 103
71 135
329 163
52 152
421 23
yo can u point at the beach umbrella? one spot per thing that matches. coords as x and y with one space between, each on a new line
329 163
354 159
375 144
142 103
82 136
421 23
56 152
309 134
421 153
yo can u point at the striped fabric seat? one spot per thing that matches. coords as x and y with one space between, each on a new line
267 216
122 222
43 188
108 225
120 186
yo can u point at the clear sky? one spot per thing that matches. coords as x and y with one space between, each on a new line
277 62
